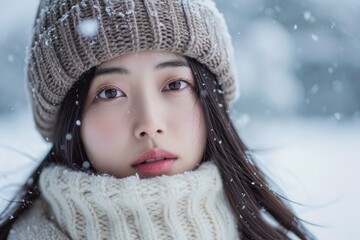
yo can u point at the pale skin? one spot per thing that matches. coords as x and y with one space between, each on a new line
143 101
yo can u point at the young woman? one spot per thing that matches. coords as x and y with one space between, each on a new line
134 96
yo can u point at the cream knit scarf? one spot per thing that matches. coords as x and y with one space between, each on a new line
191 205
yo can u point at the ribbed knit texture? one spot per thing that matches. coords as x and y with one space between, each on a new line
36 224
191 205
60 51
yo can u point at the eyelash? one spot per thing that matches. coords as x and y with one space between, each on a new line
102 90
179 80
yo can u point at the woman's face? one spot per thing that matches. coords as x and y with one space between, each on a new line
142 115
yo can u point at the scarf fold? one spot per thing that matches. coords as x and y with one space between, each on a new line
191 205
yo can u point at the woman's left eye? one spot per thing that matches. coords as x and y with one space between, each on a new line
176 85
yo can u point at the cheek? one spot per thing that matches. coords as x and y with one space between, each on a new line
96 127
199 126
193 124
100 130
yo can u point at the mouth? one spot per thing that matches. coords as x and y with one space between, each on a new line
154 162
154 155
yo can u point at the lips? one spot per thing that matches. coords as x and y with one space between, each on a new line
154 155
154 162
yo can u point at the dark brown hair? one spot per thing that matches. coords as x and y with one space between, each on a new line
246 188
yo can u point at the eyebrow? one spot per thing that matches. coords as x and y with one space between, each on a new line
120 70
111 70
172 63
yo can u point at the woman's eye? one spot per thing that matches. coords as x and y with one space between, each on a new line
176 85
110 93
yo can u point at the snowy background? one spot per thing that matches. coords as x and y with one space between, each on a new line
298 67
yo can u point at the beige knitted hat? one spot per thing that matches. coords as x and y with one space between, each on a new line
72 36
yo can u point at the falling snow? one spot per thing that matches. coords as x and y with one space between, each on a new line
11 58
314 152
68 136
88 27
314 89
314 37
86 164
309 17
337 116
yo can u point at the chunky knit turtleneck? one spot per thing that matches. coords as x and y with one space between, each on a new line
191 205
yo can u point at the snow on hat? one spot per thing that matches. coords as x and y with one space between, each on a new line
72 36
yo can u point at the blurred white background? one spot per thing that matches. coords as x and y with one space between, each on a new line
298 67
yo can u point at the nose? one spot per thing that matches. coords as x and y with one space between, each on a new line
149 120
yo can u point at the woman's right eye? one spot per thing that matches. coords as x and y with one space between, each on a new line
110 93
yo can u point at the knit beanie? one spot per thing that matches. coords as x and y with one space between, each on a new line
72 36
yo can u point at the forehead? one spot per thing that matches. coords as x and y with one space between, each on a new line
142 58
